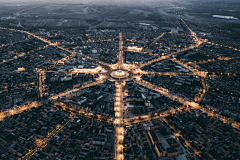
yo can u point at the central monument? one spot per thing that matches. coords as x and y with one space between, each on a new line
119 74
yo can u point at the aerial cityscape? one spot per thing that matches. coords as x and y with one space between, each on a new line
120 80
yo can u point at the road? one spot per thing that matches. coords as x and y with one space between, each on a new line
41 143
85 85
118 122
20 109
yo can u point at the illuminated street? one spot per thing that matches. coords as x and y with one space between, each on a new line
119 126
19 110
40 143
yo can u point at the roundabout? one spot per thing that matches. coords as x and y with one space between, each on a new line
119 74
